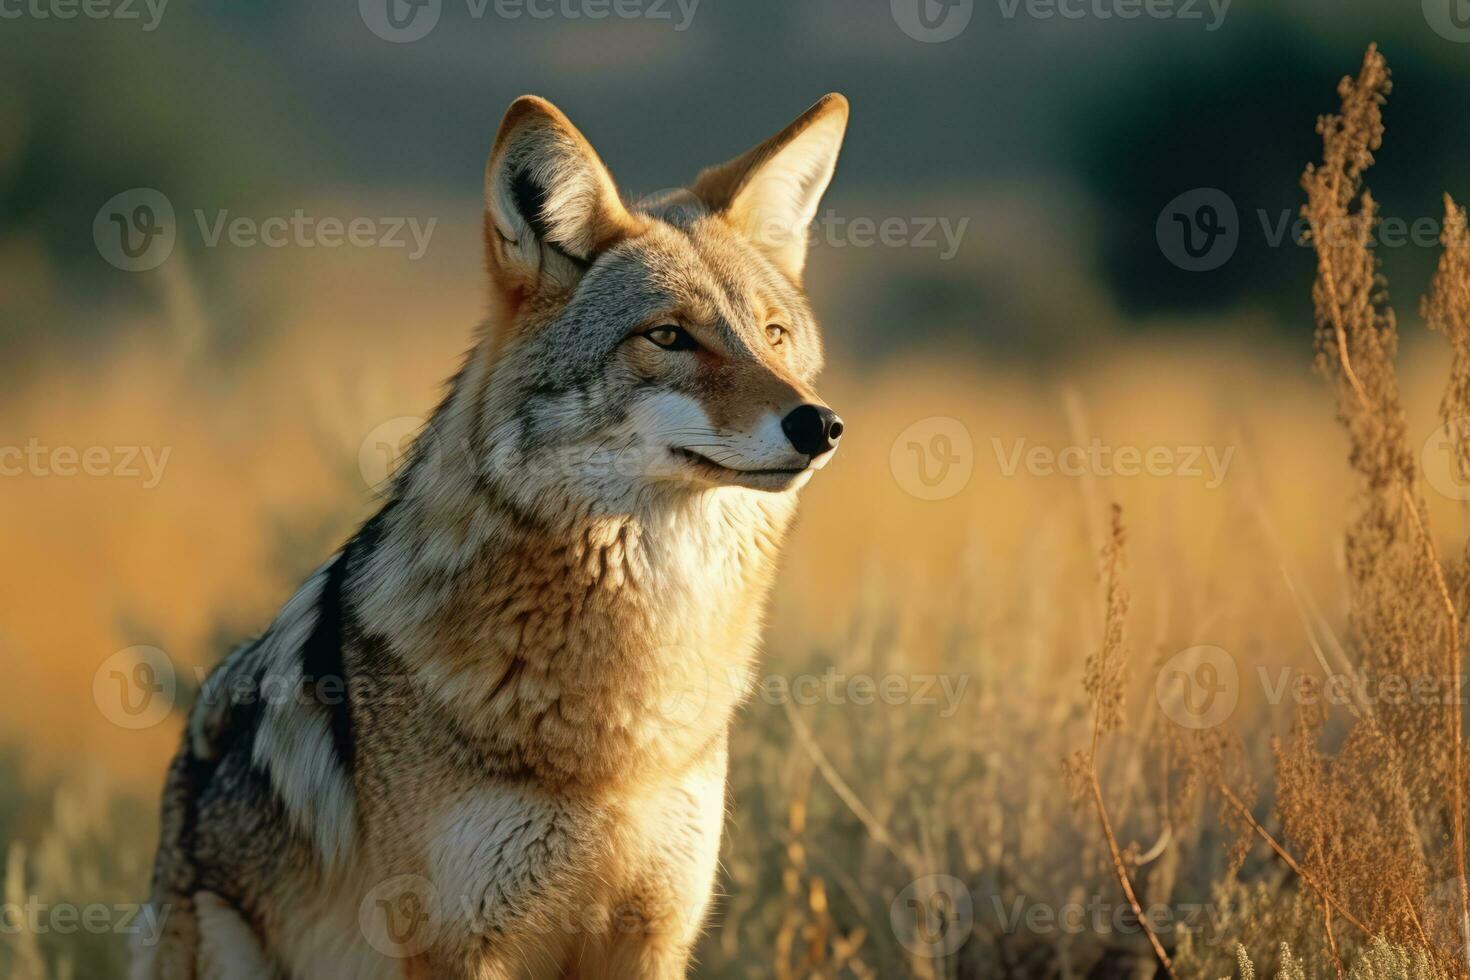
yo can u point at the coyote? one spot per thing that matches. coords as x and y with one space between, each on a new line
488 738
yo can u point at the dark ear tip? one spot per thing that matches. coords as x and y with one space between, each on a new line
529 108
830 108
833 102
530 103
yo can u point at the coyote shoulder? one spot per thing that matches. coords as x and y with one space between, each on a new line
487 738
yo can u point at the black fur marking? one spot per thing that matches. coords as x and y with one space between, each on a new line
322 662
243 722
530 201
193 776
322 665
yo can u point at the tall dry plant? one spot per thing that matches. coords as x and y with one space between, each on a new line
1369 818
1372 812
1104 682
1374 825
1447 309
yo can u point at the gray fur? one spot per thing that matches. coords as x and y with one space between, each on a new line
544 634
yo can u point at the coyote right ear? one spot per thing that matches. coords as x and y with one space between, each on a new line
771 193
550 204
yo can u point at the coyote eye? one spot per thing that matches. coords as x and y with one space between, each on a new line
776 334
671 337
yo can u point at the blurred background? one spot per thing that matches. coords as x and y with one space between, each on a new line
239 253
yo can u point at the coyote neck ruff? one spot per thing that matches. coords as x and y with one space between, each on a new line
589 653
504 705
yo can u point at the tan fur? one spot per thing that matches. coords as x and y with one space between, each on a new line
546 633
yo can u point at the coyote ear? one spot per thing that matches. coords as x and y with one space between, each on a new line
770 194
550 203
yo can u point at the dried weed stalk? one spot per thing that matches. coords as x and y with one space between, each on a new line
1104 681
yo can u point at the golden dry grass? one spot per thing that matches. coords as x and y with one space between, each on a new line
842 812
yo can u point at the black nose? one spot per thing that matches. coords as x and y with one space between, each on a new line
812 429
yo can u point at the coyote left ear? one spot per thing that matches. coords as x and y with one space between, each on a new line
550 203
770 194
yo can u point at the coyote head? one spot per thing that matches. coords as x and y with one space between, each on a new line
649 348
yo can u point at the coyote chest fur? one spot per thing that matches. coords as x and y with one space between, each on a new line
488 738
